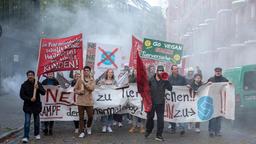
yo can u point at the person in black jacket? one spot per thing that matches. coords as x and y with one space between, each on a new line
215 123
31 105
157 92
50 80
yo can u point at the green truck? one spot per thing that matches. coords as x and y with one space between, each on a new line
244 80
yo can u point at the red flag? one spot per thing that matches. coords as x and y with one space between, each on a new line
143 84
136 46
60 54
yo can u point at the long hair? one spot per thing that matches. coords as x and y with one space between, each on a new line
106 76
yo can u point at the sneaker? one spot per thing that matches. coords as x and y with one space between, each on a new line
120 124
24 140
159 138
109 129
81 135
169 126
114 123
182 132
142 130
38 137
104 129
76 131
129 122
197 130
147 134
132 130
89 131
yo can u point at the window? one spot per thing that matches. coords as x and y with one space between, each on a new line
250 81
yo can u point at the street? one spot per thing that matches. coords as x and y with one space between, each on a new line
64 131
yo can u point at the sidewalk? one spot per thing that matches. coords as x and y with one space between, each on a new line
11 114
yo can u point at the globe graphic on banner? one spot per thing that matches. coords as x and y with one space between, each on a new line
107 61
205 107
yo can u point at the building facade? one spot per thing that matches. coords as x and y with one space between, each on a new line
213 32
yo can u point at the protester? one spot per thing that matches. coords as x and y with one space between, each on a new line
157 92
190 74
73 82
84 88
215 123
50 80
31 105
107 120
199 71
194 85
137 123
177 80
151 70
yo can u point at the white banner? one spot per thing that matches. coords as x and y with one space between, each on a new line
182 105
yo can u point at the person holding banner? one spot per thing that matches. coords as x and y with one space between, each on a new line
158 84
31 105
107 120
215 123
194 85
84 88
50 80
177 80
73 83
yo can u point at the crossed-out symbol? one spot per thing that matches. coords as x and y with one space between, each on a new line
107 57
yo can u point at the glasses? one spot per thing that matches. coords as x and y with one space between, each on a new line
160 70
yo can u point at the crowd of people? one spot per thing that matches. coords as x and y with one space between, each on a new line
85 84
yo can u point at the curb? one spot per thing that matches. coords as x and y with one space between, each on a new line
7 134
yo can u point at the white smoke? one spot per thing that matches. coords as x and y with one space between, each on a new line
11 85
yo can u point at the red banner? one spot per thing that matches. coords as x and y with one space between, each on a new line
60 54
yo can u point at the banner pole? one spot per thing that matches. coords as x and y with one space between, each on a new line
36 77
82 71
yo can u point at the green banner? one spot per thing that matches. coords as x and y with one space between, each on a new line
162 51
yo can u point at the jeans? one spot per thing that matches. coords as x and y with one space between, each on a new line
107 120
215 125
27 124
159 109
182 126
137 122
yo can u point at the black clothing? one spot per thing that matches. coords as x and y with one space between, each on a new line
26 93
157 90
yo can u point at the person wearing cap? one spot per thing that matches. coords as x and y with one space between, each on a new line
177 80
157 91
215 123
